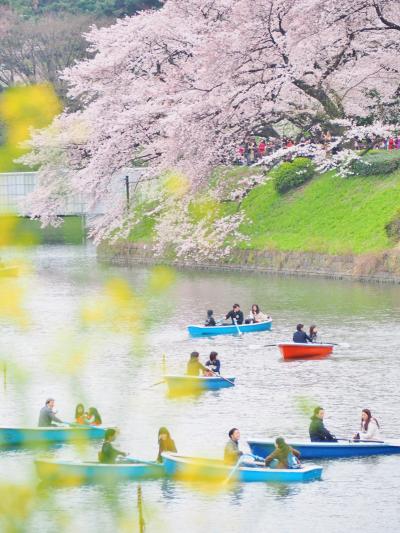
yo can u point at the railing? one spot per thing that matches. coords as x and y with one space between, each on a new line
16 186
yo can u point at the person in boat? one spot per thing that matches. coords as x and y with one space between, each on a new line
213 363
235 314
284 456
313 333
369 427
94 418
210 320
317 430
80 414
256 316
47 415
232 453
194 367
165 443
301 336
108 454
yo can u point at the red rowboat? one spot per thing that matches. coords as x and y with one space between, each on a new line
297 350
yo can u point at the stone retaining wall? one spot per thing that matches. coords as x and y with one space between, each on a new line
379 267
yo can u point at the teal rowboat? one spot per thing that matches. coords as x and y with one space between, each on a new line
203 331
20 436
188 384
201 469
75 472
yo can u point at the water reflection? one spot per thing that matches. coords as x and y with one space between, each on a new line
263 403
282 490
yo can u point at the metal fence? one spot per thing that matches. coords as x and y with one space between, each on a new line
16 186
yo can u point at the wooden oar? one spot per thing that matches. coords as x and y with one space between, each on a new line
237 327
267 345
234 469
158 383
361 440
342 344
133 460
66 424
219 376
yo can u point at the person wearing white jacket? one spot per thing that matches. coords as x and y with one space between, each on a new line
369 427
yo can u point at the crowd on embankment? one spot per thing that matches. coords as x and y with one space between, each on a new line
255 148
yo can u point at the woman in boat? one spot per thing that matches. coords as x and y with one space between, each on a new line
284 456
313 333
80 415
165 443
210 320
213 363
256 316
194 367
301 336
369 427
94 418
108 454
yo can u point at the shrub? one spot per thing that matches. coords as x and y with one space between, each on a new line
392 228
377 163
290 175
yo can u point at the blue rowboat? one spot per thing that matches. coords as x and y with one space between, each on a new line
202 469
20 436
75 472
187 384
200 331
326 450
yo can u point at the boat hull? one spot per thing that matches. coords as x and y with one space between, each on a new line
202 331
296 350
326 450
197 383
211 470
75 473
10 436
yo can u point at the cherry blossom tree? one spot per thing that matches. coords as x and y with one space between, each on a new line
180 88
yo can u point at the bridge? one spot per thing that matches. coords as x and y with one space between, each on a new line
16 186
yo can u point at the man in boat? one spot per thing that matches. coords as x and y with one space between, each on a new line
301 336
232 452
108 453
194 367
47 414
235 314
317 430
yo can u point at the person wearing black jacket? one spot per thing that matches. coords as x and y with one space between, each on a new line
236 315
210 320
301 336
317 430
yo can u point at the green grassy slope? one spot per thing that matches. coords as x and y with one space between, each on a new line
329 214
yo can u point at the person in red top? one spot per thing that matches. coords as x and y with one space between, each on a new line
261 148
391 143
